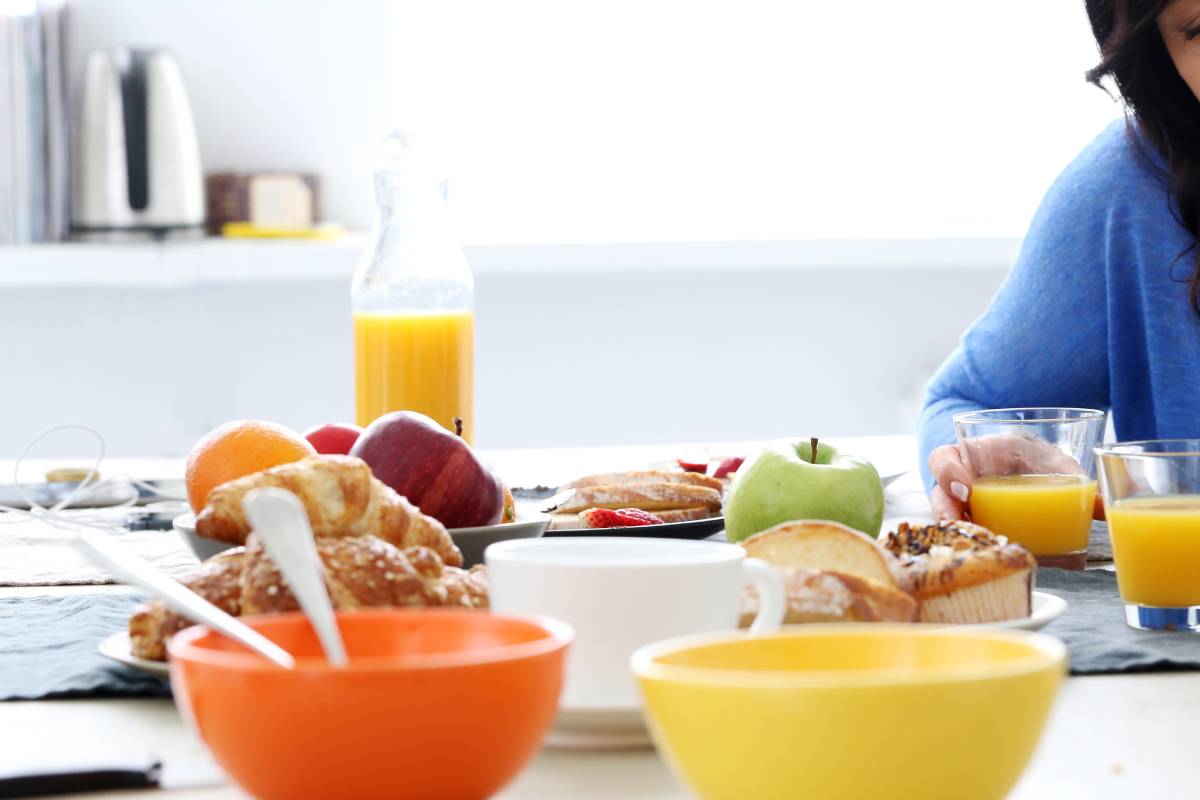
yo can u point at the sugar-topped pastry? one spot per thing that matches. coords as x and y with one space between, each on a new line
964 573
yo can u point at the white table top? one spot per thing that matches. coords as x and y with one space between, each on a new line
1108 737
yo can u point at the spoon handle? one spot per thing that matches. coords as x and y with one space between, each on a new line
135 570
281 524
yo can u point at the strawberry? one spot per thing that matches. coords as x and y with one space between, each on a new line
621 518
692 466
728 467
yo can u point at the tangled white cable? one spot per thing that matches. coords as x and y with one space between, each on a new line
59 514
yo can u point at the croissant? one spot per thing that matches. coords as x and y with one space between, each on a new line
342 499
364 572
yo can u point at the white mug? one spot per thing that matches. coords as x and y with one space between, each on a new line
621 593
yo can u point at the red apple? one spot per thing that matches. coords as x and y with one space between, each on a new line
435 469
333 438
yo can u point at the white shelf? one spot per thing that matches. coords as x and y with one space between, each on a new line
179 263
224 261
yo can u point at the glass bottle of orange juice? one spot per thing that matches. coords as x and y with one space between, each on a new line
414 300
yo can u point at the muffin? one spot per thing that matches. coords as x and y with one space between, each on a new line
963 574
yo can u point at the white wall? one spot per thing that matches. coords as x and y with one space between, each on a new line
679 120
647 120
622 346
597 344
274 84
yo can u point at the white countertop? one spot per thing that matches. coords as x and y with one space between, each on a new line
1117 737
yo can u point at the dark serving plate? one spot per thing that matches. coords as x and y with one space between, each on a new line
692 529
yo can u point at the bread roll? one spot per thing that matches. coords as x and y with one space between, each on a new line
364 572
826 596
826 546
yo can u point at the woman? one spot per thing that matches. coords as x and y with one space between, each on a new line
1102 308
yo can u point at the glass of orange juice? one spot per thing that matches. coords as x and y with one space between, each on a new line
1033 477
1152 501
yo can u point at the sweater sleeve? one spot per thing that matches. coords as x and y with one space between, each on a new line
1043 340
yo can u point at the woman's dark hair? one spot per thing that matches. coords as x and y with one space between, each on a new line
1167 113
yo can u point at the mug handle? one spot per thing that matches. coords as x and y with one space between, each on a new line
771 600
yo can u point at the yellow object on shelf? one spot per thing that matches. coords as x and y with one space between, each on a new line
248 230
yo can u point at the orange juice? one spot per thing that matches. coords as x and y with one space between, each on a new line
1048 514
415 361
1156 547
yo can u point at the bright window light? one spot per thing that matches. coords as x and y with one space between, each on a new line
657 120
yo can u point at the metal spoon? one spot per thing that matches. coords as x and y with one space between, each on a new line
281 524
135 570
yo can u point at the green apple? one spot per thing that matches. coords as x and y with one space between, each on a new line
792 480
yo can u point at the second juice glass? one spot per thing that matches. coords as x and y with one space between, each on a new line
1152 495
1033 476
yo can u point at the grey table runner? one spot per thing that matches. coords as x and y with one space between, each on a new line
1096 635
48 644
1099 545
48 648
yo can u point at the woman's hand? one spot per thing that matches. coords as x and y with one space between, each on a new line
949 497
992 455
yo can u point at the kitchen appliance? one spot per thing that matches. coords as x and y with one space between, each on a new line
33 121
137 162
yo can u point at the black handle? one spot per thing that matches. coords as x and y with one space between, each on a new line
137 146
97 779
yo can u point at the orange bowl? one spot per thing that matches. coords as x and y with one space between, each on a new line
434 703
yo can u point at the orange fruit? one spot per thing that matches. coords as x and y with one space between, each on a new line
236 449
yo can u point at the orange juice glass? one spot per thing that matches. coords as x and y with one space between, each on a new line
1048 514
1033 477
417 361
1152 501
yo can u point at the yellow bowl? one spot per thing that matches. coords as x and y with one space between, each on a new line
850 711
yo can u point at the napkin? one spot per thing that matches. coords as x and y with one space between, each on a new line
35 553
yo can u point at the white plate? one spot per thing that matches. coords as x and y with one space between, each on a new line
614 728
1046 608
117 648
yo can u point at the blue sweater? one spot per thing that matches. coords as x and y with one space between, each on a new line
1095 312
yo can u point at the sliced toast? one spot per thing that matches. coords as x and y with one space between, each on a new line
651 497
828 547
645 476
